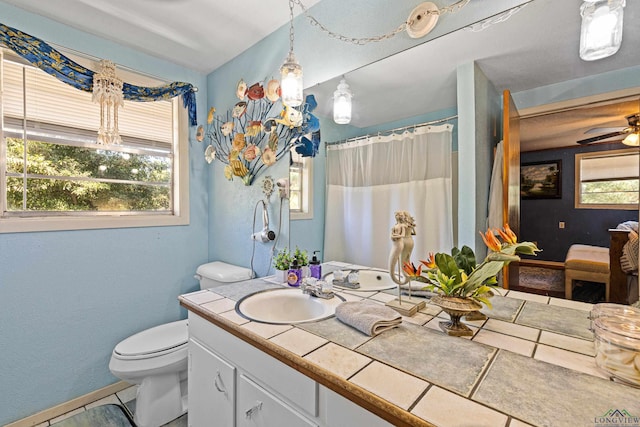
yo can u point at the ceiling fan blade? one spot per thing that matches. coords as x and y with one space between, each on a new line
600 137
609 130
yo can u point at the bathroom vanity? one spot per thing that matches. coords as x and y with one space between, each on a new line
530 363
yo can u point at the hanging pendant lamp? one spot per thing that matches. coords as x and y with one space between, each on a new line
342 103
601 31
291 72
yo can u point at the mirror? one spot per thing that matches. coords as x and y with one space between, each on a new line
533 53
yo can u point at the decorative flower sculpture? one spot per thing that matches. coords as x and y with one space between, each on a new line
457 274
259 130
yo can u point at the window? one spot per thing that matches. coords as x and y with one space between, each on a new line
300 187
607 179
55 176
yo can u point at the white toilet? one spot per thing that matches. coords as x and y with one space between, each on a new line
156 358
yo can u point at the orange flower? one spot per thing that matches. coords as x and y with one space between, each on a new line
507 235
410 269
491 241
430 262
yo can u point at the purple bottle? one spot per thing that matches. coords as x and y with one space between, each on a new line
315 266
294 275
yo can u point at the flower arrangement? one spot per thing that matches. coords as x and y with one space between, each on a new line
282 260
300 257
258 131
458 275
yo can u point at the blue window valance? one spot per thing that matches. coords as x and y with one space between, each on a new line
43 56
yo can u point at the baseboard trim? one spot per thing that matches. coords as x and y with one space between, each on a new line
540 263
63 408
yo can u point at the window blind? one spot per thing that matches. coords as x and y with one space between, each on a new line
53 103
609 167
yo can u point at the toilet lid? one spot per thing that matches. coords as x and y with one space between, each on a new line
158 339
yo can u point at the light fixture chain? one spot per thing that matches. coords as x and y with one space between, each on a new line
364 40
290 26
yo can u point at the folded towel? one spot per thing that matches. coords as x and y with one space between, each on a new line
368 317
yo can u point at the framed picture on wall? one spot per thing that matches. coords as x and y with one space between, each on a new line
541 180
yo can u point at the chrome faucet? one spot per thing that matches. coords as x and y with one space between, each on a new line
317 288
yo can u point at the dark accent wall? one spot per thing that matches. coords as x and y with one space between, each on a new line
539 218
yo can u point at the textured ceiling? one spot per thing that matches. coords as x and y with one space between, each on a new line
198 34
537 46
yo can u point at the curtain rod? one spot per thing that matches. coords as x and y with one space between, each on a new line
433 122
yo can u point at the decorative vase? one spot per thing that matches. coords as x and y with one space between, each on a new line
456 307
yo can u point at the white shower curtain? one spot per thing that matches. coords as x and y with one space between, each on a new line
368 180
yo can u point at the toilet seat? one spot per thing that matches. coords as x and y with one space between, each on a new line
157 341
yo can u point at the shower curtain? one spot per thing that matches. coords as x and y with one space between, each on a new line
369 179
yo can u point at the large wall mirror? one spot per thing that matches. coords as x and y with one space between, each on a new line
531 51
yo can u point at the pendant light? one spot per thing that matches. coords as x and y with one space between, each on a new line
342 103
633 139
601 31
291 72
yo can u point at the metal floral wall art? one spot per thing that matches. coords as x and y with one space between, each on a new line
258 131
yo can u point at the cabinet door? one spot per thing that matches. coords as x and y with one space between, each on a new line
258 407
211 389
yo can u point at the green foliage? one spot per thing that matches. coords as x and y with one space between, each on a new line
301 257
282 260
457 275
610 192
465 258
51 192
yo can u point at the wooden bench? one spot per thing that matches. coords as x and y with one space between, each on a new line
589 263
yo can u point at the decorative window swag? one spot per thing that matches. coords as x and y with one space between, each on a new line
48 59
258 131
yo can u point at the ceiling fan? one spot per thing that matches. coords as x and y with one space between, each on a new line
634 127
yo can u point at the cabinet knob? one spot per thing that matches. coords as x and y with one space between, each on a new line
249 413
219 383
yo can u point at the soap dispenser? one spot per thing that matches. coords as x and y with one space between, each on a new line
294 275
315 267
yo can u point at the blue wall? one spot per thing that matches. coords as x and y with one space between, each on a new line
540 217
67 298
322 58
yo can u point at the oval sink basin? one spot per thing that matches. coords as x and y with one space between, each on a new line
370 280
286 306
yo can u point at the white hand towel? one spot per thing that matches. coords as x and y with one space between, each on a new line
368 317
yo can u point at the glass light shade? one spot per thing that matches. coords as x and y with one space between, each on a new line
342 104
632 139
601 32
291 82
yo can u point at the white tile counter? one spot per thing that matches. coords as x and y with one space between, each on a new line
531 363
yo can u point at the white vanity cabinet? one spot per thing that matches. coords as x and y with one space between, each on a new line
211 388
258 407
232 383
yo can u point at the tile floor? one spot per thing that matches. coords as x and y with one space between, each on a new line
125 398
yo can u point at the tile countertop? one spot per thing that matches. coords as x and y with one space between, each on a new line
531 363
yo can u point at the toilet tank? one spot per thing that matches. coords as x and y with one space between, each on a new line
218 273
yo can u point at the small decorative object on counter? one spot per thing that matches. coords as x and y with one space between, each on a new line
462 284
315 267
301 257
294 276
282 263
617 344
402 238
